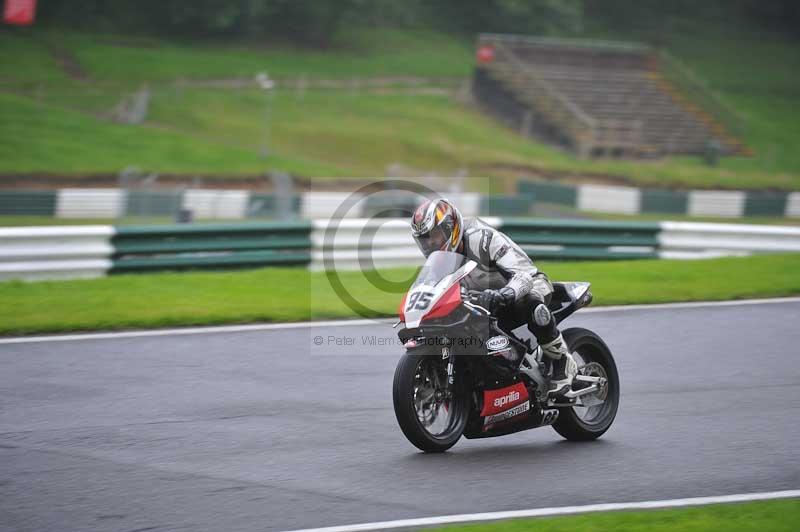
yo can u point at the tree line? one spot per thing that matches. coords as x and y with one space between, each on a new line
316 22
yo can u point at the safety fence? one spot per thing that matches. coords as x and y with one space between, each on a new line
215 246
163 206
140 206
584 240
55 252
92 251
631 200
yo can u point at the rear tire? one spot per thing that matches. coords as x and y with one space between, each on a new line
591 348
405 377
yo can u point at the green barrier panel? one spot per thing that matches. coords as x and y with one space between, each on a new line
153 203
570 253
28 202
664 201
265 205
211 246
155 246
584 240
507 205
248 259
549 192
765 204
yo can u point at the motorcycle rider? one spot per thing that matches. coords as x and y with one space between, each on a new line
513 288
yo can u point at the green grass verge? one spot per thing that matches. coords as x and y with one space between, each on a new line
775 516
173 299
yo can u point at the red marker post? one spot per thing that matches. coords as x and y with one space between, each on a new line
485 54
19 12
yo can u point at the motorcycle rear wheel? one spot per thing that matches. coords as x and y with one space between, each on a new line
431 419
589 423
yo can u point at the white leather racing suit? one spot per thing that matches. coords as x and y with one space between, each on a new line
502 263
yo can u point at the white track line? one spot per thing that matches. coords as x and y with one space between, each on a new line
216 329
188 330
693 304
563 510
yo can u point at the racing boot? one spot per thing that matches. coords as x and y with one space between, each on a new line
564 366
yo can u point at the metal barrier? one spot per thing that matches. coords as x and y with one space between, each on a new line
632 200
91 251
55 252
685 240
583 240
363 244
217 246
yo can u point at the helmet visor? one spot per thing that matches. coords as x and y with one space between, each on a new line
434 240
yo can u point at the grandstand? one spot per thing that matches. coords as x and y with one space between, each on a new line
602 98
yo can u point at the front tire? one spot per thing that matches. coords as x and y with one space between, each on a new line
415 375
589 423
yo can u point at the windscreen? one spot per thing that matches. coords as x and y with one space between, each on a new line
440 264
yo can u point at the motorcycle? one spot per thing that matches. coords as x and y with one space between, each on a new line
462 374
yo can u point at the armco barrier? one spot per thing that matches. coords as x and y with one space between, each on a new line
217 246
583 240
363 243
687 240
90 251
55 252
632 200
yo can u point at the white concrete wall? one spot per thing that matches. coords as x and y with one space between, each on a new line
216 204
793 205
469 203
599 198
721 203
90 203
323 205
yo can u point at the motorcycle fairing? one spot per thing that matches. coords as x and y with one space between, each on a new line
421 301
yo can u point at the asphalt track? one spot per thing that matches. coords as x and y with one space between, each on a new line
264 430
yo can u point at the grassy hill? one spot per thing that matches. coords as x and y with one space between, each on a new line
58 89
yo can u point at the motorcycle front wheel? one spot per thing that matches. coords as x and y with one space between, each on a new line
594 358
431 413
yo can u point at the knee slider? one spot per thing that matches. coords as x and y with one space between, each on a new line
542 315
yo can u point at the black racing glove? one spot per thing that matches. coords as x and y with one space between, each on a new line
494 300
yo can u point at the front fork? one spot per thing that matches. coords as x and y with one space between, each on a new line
448 355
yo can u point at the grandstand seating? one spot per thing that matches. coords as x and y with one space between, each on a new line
598 98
